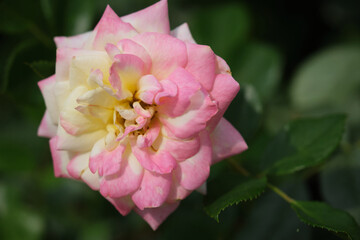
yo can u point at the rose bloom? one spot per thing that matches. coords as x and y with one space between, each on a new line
135 111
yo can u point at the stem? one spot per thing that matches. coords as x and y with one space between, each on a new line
238 167
279 192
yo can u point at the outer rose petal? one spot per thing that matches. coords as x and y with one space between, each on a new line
167 53
60 159
110 29
193 172
155 216
153 191
226 141
123 205
47 128
77 41
201 64
183 33
78 164
224 90
177 192
91 179
152 19
47 89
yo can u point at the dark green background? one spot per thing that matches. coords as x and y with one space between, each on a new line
291 58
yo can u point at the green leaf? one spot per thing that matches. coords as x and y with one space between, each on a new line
223 28
303 143
318 214
260 66
329 77
244 189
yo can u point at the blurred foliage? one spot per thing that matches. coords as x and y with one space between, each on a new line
292 60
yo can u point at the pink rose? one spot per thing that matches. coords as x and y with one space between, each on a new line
135 111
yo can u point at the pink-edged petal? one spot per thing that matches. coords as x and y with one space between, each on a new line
224 90
151 19
201 64
180 149
150 135
193 172
47 128
149 86
194 120
155 161
187 86
125 73
47 89
112 50
103 161
221 66
124 182
79 143
169 90
110 29
128 46
78 164
77 41
91 179
153 190
123 205
226 141
183 33
177 192
140 110
167 53
60 159
155 216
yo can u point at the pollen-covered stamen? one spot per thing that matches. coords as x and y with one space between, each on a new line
133 119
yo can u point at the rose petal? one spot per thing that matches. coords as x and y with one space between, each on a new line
60 159
226 141
123 205
151 19
183 33
110 29
47 89
167 53
153 190
103 161
194 120
187 86
47 128
193 172
77 41
91 179
124 182
78 164
224 90
155 216
201 64
128 46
